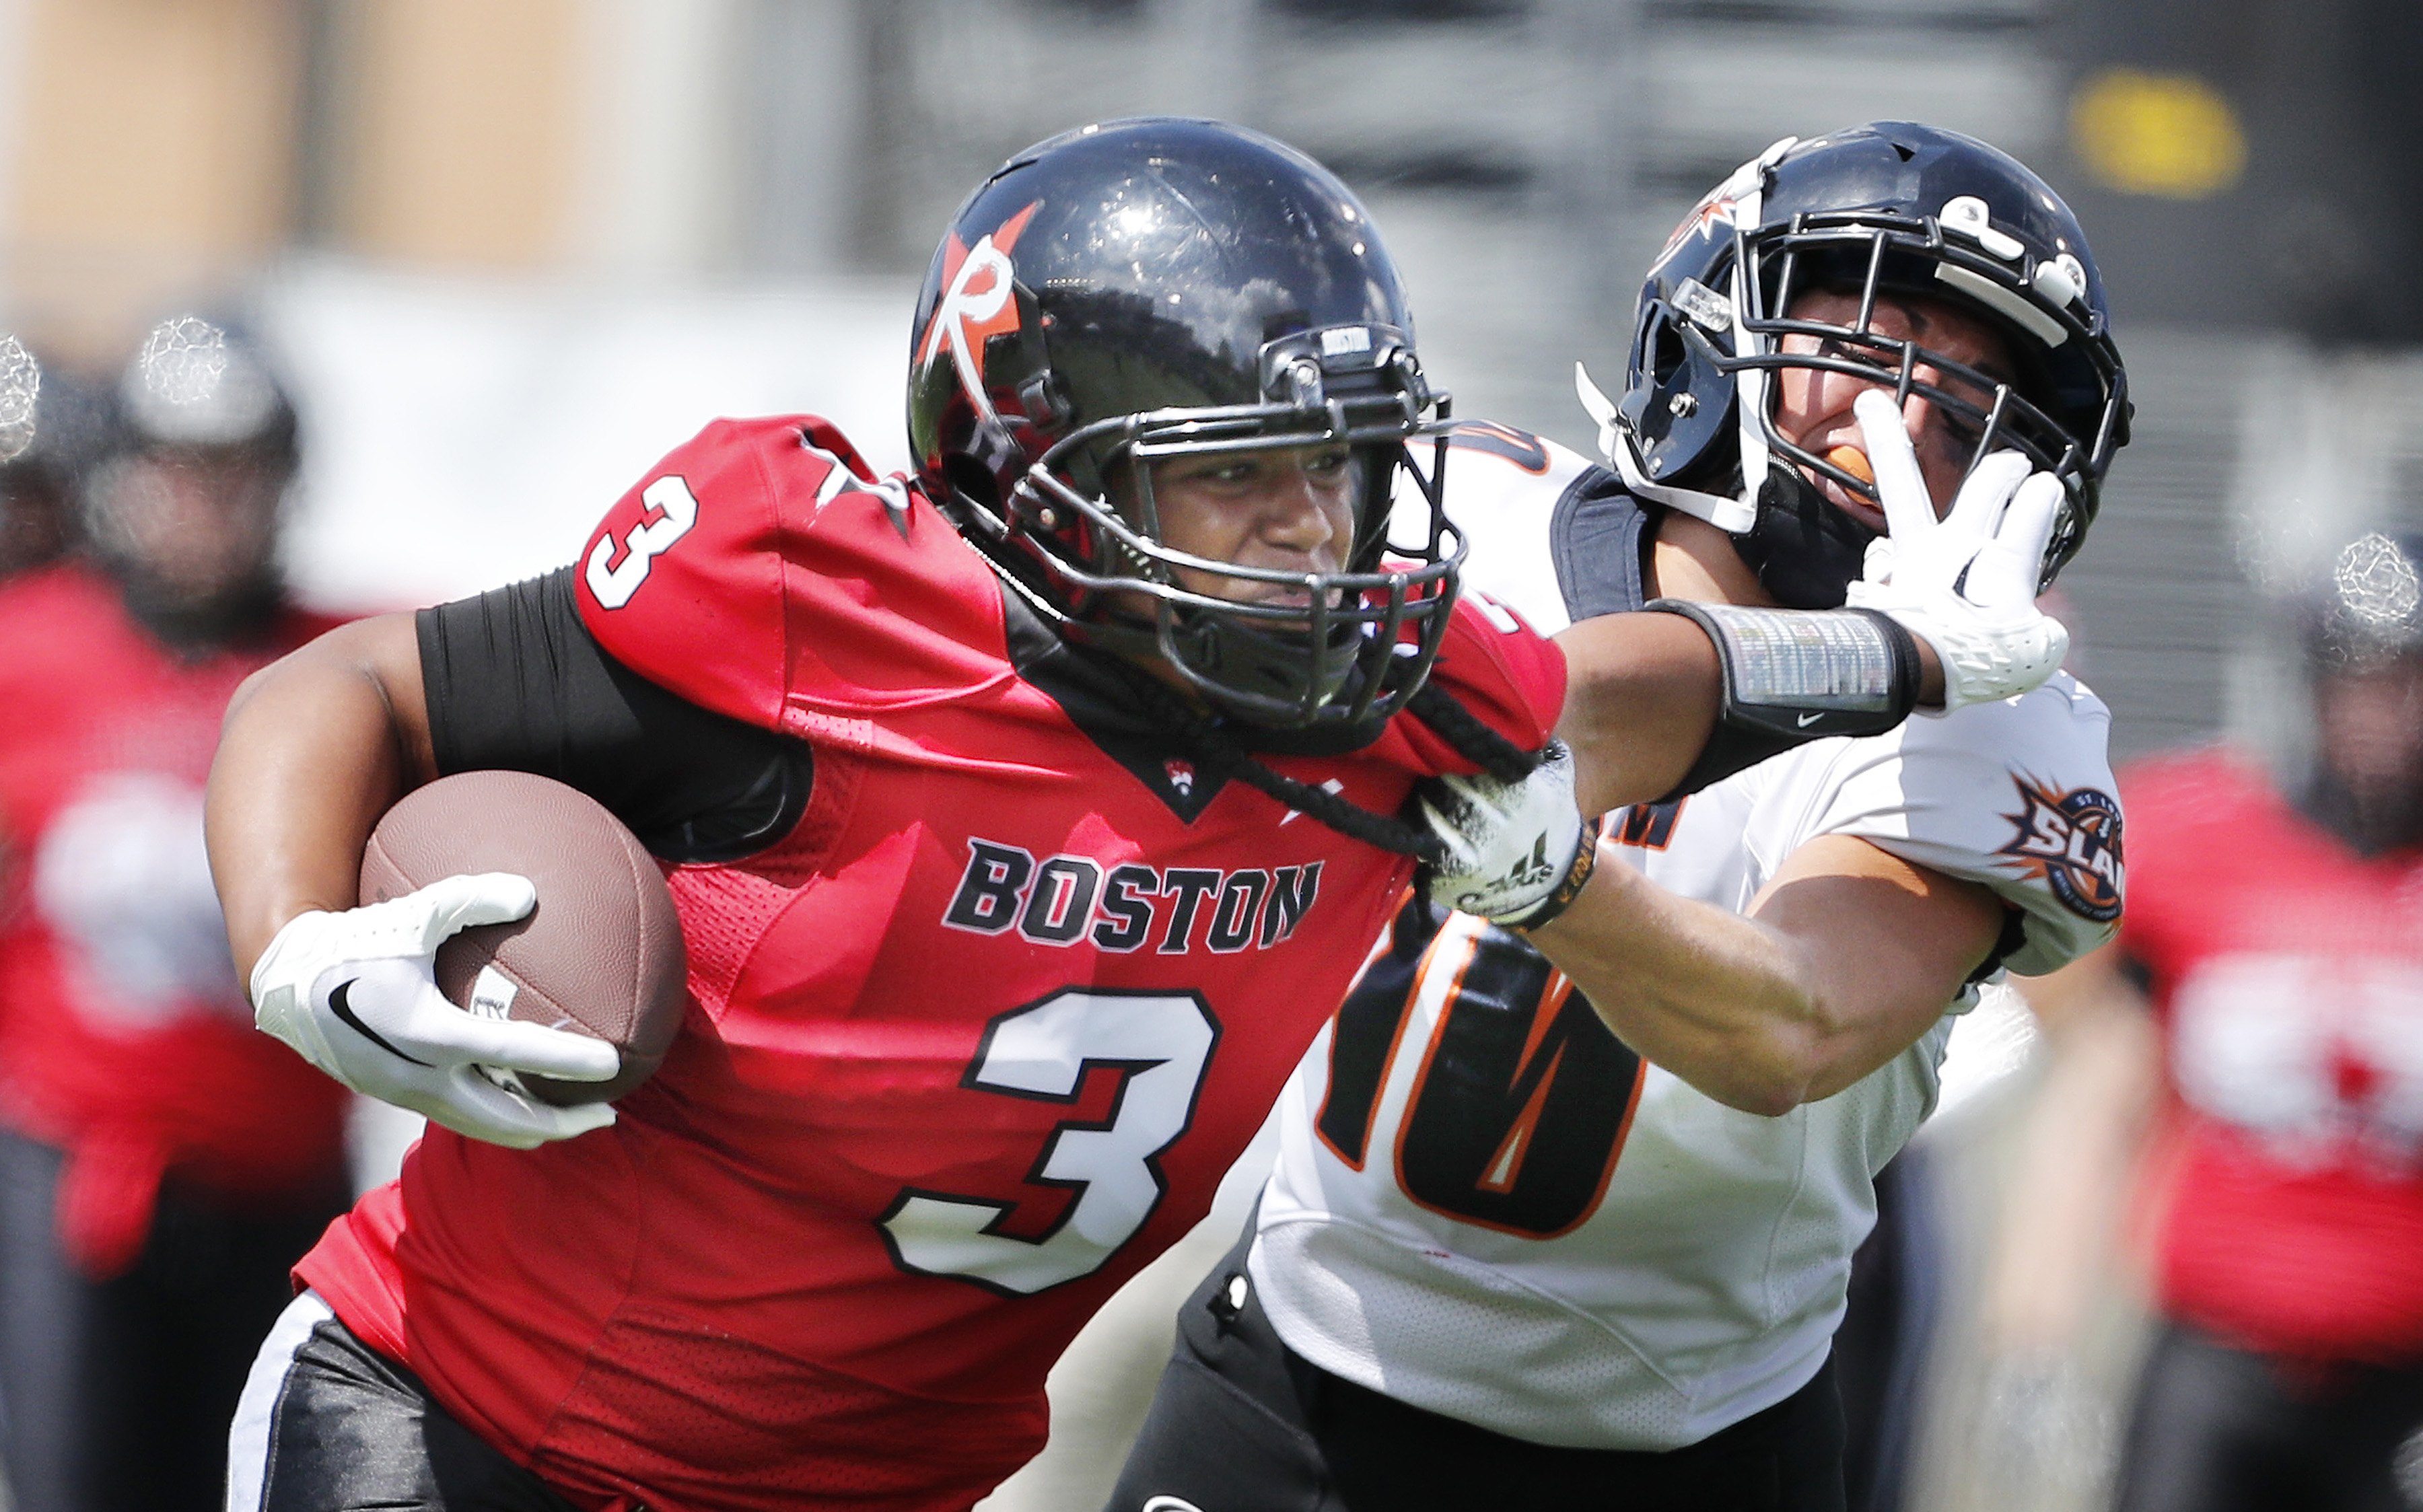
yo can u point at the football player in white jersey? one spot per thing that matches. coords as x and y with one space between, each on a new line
1565 1202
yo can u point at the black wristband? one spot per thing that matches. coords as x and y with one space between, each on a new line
1796 675
1577 875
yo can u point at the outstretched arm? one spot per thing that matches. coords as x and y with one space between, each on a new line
1641 694
1946 615
1848 956
1845 958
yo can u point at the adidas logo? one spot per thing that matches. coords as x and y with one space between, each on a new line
1531 870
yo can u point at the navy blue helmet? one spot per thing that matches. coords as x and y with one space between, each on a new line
1891 208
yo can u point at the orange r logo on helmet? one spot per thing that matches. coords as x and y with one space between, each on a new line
978 303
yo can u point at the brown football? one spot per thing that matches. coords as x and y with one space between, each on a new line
601 953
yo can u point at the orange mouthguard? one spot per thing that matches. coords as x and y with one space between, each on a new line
1853 460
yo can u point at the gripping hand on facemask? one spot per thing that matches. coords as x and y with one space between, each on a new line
354 993
1515 853
1966 584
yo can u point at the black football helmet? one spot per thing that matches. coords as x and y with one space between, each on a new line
1888 207
1147 289
53 426
198 409
2368 608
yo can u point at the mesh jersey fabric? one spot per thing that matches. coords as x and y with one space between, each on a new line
970 1044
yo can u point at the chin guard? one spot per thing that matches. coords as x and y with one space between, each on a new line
1796 675
1806 552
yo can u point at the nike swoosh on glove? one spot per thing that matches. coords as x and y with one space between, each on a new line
1515 853
355 995
1966 584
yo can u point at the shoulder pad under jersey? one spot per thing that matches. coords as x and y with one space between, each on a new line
2016 795
1499 669
761 569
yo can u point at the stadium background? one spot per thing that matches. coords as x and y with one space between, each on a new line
513 250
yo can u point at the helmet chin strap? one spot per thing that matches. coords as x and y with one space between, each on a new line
1731 516
1735 516
1803 550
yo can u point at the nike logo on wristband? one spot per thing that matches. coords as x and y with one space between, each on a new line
1811 718
343 1010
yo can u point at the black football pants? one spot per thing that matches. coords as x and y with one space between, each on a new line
328 1424
115 1394
2217 1429
1244 1424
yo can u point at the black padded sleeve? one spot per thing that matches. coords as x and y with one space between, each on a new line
515 682
1792 676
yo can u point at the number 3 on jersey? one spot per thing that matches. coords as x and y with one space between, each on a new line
1160 1044
673 508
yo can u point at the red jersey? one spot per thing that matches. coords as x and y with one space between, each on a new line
125 1038
971 1045
2287 972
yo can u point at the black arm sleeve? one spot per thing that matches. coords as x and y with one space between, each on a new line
515 682
1792 676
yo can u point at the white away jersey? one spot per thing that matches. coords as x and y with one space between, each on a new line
1487 1206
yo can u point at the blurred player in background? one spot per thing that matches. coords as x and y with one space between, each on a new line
1005 795
2265 1002
161 1165
51 425
1537 1239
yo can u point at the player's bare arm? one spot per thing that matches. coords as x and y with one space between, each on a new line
314 748
1642 694
1849 953
1846 956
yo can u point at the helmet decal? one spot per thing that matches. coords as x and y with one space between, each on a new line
977 305
1714 210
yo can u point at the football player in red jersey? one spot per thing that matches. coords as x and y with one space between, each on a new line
1026 818
161 1167
2264 1002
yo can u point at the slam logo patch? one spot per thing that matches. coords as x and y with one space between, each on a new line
2071 839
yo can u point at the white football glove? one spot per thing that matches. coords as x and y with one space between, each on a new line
1516 852
355 994
1986 629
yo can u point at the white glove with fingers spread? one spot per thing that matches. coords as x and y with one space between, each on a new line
355 995
1516 853
1966 584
